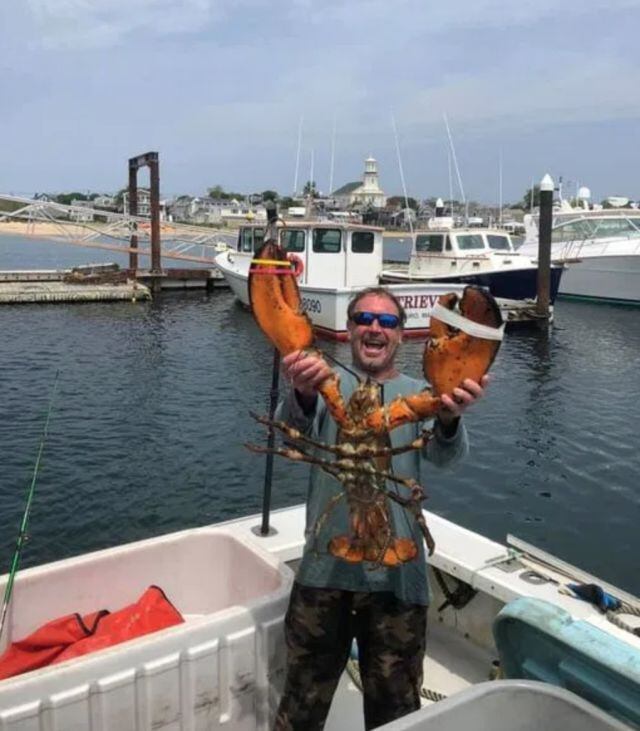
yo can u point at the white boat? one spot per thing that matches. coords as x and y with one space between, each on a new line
496 610
335 260
600 248
482 256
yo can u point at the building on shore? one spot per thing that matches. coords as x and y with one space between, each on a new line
362 194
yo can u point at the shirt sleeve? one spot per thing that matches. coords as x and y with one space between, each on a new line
443 451
290 411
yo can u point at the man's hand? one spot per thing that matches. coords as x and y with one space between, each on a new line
305 371
455 405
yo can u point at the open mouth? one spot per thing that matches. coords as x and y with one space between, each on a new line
373 347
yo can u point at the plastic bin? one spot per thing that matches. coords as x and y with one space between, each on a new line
509 705
221 669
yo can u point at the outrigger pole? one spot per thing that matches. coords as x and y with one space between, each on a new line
22 535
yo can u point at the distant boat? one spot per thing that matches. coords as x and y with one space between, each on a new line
600 248
482 256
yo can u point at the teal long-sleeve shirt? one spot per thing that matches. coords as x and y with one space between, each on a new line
320 569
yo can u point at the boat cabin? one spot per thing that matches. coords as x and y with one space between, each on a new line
447 251
329 253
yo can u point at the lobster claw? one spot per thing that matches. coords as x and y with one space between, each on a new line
462 345
275 300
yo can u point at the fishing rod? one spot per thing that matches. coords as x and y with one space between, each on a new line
22 535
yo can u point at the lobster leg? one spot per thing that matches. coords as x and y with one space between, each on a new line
345 450
323 518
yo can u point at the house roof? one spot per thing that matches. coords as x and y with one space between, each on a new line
348 188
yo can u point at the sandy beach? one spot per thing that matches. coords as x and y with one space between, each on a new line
44 228
67 229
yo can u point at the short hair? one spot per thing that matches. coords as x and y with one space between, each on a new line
379 292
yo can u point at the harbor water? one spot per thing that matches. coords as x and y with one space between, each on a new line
152 412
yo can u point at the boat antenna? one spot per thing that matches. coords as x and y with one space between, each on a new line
333 154
295 179
455 163
22 534
404 187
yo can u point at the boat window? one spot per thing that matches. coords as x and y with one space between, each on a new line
636 223
258 238
447 244
606 227
470 241
327 240
429 243
246 239
362 242
498 243
572 231
292 240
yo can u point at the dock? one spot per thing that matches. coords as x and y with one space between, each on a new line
59 291
100 283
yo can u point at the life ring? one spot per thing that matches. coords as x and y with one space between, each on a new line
298 264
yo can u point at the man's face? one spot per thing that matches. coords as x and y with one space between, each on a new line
373 346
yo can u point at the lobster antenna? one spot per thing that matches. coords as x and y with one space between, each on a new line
22 534
404 187
455 161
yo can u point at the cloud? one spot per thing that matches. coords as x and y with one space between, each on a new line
78 24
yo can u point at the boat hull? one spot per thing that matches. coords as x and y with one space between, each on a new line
510 284
603 278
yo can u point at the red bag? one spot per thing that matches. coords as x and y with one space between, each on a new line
73 635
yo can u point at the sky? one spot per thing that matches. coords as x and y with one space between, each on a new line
254 95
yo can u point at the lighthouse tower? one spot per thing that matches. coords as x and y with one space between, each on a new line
371 174
371 193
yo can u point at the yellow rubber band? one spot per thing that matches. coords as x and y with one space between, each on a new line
275 262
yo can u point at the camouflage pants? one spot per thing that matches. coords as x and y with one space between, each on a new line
319 628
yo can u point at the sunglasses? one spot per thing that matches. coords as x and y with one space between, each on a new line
386 320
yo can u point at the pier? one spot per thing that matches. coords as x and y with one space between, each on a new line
100 283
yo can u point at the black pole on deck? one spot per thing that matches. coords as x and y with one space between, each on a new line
265 529
544 248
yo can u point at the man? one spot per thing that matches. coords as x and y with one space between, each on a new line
332 601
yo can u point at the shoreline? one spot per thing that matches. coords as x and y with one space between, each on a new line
37 228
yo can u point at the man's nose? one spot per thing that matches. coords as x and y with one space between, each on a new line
375 326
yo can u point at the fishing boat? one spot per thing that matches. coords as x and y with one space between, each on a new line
484 257
334 260
498 610
600 249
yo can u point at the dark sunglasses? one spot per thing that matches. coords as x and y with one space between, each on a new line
386 320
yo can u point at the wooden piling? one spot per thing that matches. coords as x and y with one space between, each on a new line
544 248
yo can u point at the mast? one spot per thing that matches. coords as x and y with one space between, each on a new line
333 152
295 179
